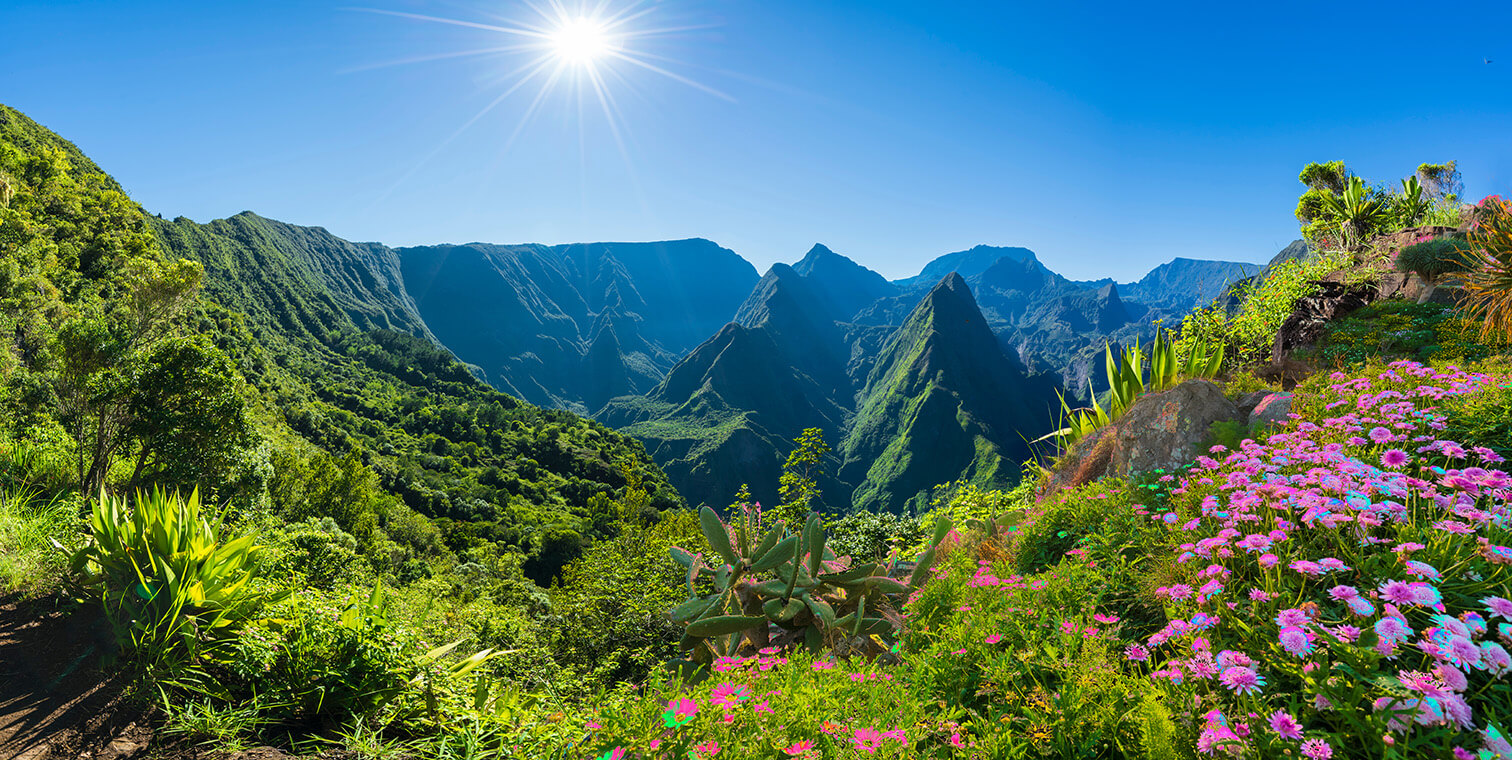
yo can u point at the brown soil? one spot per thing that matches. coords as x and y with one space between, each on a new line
55 701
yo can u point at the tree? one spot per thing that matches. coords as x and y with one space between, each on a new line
1441 181
798 487
186 414
99 352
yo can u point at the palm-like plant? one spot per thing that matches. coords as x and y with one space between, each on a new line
1355 213
1488 278
1412 205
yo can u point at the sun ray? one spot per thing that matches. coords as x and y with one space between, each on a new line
628 58
454 22
437 57
581 50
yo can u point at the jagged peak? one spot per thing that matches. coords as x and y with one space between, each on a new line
951 295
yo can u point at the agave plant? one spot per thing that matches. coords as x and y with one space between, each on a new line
1355 213
1412 205
779 589
168 581
1126 382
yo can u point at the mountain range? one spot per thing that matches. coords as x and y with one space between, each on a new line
939 377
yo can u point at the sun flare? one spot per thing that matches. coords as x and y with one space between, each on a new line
582 40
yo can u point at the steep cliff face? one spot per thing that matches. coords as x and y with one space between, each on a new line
306 279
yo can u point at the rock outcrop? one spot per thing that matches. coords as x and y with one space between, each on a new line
1161 431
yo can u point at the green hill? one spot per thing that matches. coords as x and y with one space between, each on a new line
322 343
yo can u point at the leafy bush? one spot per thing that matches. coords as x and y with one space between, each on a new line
169 581
1433 258
316 655
871 536
1264 305
1245 381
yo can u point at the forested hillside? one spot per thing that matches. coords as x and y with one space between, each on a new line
278 367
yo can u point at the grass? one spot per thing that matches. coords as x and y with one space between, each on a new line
29 561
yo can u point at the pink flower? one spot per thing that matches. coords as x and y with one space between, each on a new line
728 695
1241 679
709 748
1498 607
799 748
867 740
679 711
1285 725
994 638
1296 640
1394 458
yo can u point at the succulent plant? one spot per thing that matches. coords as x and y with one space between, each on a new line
778 588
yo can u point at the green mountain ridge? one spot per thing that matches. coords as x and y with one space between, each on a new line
534 317
941 394
937 401
343 382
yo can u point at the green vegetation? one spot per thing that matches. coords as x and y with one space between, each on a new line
1129 619
360 494
1127 381
171 583
1249 331
1340 211
1488 278
309 525
1398 329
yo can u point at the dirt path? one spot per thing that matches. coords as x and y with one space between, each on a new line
55 703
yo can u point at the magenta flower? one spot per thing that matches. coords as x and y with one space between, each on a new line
868 740
1285 725
679 711
1241 679
1394 458
728 695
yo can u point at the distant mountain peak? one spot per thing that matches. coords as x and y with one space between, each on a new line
967 263
845 286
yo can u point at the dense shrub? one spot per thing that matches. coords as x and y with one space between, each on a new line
1248 331
1433 258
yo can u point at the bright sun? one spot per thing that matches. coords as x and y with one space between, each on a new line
581 40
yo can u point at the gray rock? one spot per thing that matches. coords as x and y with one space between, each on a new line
1273 409
1249 401
1162 431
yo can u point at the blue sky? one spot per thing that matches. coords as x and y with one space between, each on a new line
1108 138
